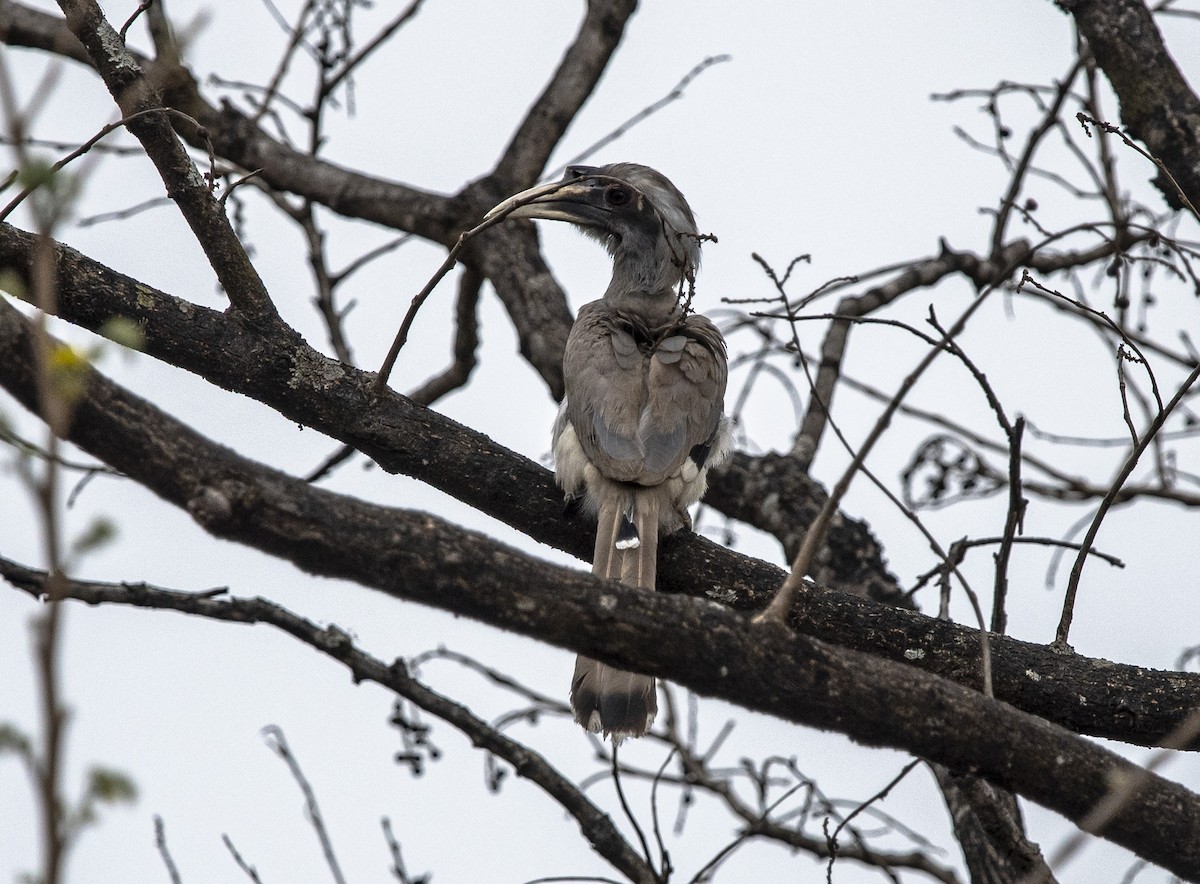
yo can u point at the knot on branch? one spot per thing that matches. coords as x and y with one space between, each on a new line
210 507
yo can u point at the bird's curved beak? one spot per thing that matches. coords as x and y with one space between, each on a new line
574 200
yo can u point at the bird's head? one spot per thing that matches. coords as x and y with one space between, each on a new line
639 215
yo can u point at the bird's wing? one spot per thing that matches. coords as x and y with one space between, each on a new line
640 411
685 396
603 369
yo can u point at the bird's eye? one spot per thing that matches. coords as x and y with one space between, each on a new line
617 195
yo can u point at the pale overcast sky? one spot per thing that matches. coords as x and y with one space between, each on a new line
818 137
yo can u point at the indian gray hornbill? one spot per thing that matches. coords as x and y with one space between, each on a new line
642 421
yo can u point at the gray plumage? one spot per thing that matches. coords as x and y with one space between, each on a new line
642 420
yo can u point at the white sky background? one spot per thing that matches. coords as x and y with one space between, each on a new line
819 137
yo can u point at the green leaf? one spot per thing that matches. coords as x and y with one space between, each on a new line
124 331
13 739
11 283
101 531
38 172
69 371
111 786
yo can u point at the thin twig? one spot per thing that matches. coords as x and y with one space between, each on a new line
664 856
878 796
397 861
675 94
236 183
637 829
84 148
367 257
748 832
1068 612
1049 120
331 642
1084 119
122 214
378 40
786 595
466 343
295 39
160 841
327 466
822 404
142 7
279 745
250 871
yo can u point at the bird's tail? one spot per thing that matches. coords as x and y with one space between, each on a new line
605 699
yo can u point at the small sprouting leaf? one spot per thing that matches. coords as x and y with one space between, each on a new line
11 283
69 370
111 786
38 172
13 739
99 532
53 190
124 331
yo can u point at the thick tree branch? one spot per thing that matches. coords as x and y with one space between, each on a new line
1127 703
22 25
508 257
988 824
703 645
332 642
135 95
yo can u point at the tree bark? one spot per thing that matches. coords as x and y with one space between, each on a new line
700 644
1158 106
276 367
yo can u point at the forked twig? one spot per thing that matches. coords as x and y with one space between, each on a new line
1084 119
1068 612
822 403
878 796
787 594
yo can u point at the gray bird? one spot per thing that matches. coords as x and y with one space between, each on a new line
642 421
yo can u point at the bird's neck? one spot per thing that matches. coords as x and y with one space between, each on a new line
652 308
645 285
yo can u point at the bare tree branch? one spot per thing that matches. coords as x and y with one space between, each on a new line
705 646
1124 702
134 94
